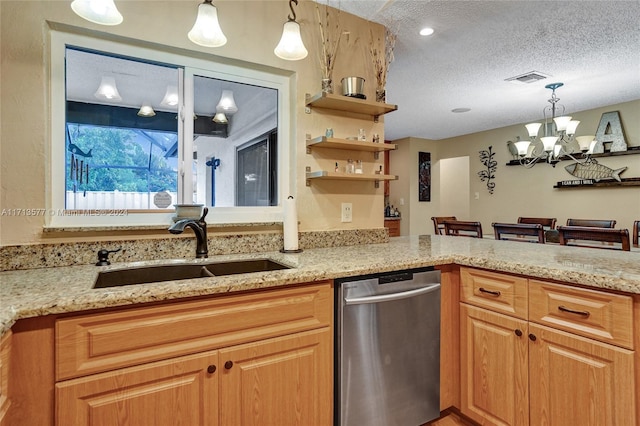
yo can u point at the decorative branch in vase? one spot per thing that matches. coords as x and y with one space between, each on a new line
330 36
382 61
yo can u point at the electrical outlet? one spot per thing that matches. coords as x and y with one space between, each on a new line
347 212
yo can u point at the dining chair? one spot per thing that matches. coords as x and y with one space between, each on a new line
463 228
523 232
636 233
597 223
546 222
585 236
438 223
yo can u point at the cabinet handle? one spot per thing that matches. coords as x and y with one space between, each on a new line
228 365
571 311
518 332
491 292
532 337
211 369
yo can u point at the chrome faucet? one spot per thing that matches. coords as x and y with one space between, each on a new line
199 227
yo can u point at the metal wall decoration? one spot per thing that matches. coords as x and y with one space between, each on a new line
424 176
486 158
592 170
610 130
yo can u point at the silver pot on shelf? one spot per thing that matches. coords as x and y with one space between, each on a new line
353 87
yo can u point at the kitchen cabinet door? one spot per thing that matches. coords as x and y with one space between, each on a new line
494 367
579 381
283 381
180 391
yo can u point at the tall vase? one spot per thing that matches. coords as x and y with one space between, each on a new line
381 95
327 85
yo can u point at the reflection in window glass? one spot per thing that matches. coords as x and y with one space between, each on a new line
117 155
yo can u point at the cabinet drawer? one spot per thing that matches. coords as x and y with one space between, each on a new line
393 226
602 316
497 292
98 342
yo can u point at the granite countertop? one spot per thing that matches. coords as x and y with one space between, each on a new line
39 292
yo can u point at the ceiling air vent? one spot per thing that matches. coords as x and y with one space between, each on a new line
530 77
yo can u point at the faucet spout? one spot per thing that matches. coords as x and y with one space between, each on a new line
199 227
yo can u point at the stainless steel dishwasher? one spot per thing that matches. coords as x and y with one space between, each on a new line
388 349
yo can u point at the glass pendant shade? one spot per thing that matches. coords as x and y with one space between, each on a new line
585 142
170 97
227 103
220 118
103 12
291 47
533 129
549 142
562 122
522 147
146 110
206 31
108 90
572 126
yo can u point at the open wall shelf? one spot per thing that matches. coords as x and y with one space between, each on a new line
631 150
348 104
587 183
327 175
347 144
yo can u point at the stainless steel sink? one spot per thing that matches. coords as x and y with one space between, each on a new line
158 273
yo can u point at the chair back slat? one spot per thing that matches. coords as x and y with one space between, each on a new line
636 232
463 228
586 236
546 222
595 223
438 223
523 232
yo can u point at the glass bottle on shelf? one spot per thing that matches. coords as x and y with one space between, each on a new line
351 168
359 167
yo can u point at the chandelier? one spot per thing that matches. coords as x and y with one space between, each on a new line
558 135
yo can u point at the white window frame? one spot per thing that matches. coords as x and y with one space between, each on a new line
231 70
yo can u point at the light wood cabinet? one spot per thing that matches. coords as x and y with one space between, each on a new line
5 401
520 368
259 358
494 367
393 226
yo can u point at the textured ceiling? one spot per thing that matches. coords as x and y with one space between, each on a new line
593 47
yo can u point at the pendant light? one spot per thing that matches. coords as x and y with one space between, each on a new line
227 103
220 118
146 110
291 47
108 90
170 97
206 31
103 12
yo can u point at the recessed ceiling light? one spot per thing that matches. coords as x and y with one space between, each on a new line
458 110
426 31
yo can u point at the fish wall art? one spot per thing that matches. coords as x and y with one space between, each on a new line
591 169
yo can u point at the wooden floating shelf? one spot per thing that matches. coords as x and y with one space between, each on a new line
631 150
327 175
601 184
349 104
352 145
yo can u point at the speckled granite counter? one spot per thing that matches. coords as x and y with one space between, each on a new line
37 292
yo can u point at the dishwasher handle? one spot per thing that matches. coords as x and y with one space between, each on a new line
393 296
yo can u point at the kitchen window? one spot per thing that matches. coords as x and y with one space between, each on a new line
137 129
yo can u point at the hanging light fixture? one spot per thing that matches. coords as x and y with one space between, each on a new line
206 31
558 132
103 12
170 97
146 110
291 46
227 103
220 118
108 90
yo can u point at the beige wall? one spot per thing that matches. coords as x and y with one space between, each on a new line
530 192
253 28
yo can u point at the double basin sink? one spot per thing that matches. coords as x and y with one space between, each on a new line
159 273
